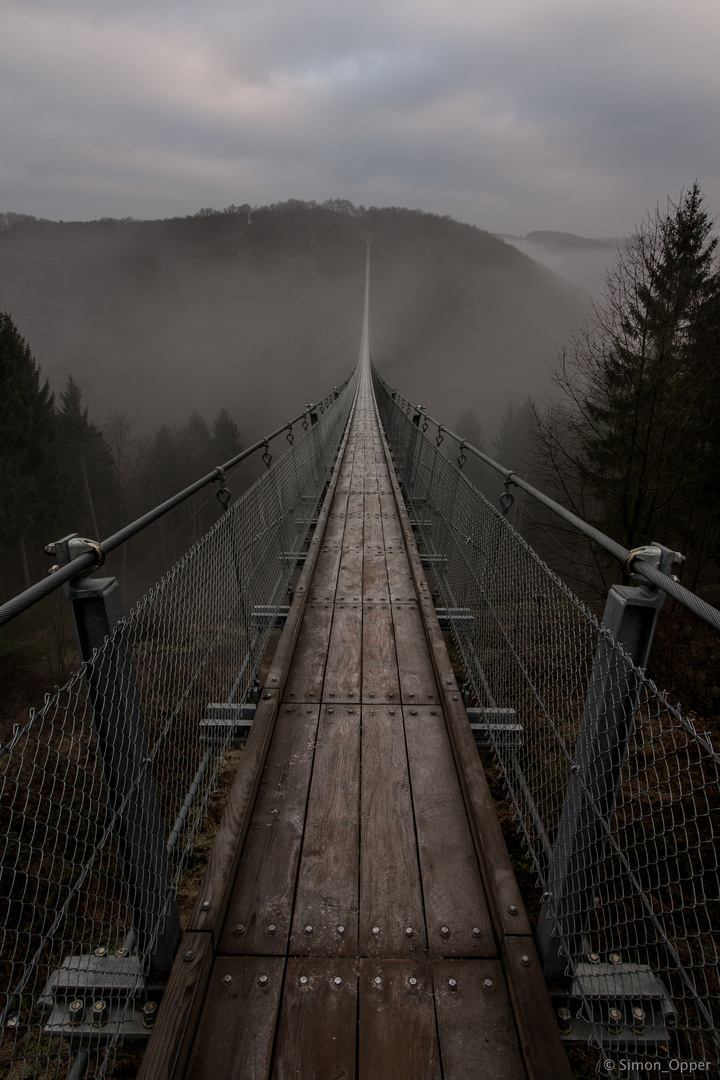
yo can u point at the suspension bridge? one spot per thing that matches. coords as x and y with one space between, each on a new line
359 915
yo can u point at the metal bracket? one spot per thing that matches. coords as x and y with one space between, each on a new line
627 1004
93 998
223 716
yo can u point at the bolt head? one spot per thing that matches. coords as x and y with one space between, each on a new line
337 981
614 1014
189 955
638 1014
376 930
149 1008
227 979
615 958
476 931
206 905
303 980
378 980
409 931
308 929
452 983
444 930
239 929
101 951
263 980
564 1014
413 981
488 983
341 929
525 960
272 928
594 958
512 909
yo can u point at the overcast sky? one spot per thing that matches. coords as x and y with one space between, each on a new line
511 114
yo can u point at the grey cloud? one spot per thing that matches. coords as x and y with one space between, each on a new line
542 114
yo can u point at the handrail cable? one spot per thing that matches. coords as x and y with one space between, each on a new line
626 556
93 559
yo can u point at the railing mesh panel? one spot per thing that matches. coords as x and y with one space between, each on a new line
195 639
642 887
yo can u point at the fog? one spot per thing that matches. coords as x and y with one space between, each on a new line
260 312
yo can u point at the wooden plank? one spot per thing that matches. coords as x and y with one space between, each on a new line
236 1031
170 1043
540 1044
305 678
375 587
380 681
343 669
317 1031
327 891
417 677
400 583
456 914
501 889
398 1038
390 896
211 903
475 1021
265 884
325 578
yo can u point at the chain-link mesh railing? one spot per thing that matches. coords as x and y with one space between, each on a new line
86 886
616 792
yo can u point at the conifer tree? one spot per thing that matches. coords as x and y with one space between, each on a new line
630 443
27 436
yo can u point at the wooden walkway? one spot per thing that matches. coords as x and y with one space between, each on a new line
359 916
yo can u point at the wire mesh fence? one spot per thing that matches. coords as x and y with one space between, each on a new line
614 790
117 763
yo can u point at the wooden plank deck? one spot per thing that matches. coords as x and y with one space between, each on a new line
359 917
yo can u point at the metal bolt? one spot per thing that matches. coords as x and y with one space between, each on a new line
488 983
263 980
638 1021
308 929
122 952
376 930
476 931
189 955
512 909
525 960
409 931
413 712
444 931
452 983
206 905
272 928
378 980
227 979
149 1012
337 981
99 1012
239 929
101 951
615 1017
341 929
392 712
564 1021
331 710
615 958
413 981
76 1011
303 980
594 958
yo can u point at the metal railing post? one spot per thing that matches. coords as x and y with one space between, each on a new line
607 724
134 810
